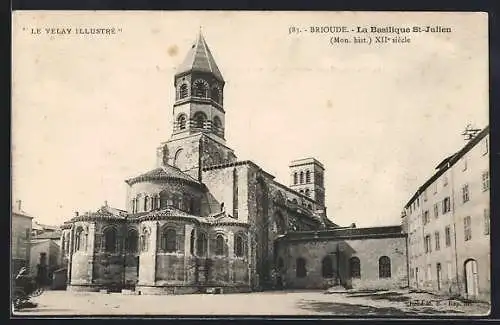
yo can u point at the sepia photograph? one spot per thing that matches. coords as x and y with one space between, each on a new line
259 163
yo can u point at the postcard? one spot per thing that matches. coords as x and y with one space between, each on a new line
232 163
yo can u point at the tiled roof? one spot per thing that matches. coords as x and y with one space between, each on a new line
164 172
167 212
448 162
49 235
347 233
20 213
172 212
39 226
104 212
199 58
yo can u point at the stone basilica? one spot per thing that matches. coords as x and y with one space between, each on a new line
202 219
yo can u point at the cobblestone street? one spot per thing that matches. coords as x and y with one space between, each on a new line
388 303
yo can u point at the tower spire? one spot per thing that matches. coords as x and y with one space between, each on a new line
200 59
199 97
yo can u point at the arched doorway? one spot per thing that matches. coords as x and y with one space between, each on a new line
471 278
438 275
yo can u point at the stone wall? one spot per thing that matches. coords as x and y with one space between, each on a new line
368 250
229 186
20 241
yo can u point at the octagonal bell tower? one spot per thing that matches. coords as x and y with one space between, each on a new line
199 94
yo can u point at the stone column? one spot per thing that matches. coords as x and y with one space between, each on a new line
70 254
187 254
147 259
90 251
230 255
251 258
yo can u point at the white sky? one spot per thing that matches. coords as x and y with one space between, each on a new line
89 111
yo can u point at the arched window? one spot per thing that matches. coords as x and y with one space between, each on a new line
169 240
164 198
327 267
301 270
308 176
239 246
192 206
307 192
185 202
178 157
181 122
192 242
215 94
201 244
301 177
295 178
217 124
145 240
294 201
199 120
301 191
178 201
183 91
354 267
200 89
134 205
219 245
110 240
309 206
131 241
146 203
384 267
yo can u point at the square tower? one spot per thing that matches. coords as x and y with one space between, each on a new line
307 177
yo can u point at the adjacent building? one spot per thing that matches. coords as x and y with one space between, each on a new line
202 219
45 256
20 238
448 225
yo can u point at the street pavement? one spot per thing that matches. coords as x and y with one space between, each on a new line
282 303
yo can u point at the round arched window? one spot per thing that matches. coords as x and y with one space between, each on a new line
200 88
181 122
199 119
215 94
183 91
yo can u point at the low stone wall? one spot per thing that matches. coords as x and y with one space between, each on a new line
178 290
84 288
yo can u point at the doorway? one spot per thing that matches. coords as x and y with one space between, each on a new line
438 271
471 279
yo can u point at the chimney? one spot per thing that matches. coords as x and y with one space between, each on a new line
470 132
18 205
76 213
106 203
